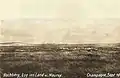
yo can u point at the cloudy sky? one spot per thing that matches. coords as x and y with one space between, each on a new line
69 21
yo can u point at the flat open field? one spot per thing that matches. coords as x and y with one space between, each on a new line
69 60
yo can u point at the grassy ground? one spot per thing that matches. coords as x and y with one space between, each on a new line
71 62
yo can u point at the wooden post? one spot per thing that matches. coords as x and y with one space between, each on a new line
1 29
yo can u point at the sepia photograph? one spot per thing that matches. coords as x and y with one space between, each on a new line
59 39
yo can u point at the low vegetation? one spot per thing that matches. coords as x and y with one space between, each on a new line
72 61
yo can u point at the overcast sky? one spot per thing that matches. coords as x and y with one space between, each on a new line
70 21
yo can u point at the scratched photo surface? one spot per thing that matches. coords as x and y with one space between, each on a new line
67 37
